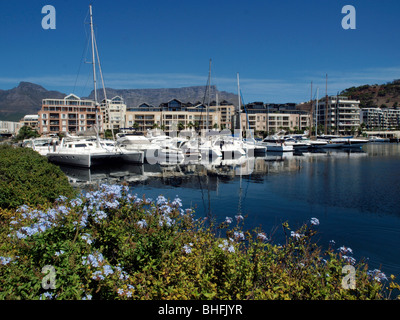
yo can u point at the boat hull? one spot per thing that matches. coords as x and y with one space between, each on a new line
83 160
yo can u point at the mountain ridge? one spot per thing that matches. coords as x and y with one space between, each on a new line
27 97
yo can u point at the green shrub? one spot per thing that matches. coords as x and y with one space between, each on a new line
109 244
26 177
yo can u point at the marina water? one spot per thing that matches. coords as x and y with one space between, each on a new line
354 194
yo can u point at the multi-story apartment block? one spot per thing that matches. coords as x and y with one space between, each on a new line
176 115
340 115
272 118
71 114
30 120
114 113
380 118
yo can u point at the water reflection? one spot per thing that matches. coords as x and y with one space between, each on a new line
270 163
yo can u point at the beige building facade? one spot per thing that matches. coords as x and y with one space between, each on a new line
71 114
114 113
175 115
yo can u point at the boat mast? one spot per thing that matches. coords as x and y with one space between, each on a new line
326 106
209 96
239 108
311 111
316 115
94 75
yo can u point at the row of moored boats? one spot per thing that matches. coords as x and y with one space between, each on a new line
89 151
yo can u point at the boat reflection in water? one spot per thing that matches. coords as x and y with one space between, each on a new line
270 163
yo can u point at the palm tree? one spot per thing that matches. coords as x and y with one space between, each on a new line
190 125
181 126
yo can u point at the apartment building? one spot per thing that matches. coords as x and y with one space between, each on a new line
380 118
30 120
272 118
71 114
176 115
9 128
340 115
114 113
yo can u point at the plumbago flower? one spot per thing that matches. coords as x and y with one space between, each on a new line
187 248
296 235
227 245
101 269
377 275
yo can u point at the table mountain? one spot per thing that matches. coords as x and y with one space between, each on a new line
135 97
27 97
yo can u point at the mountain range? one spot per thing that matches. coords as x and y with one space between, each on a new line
135 97
27 97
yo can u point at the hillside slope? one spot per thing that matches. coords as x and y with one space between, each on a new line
384 95
24 99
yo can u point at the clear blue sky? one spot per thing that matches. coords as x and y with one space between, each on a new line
277 46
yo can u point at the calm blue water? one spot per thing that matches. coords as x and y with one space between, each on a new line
355 196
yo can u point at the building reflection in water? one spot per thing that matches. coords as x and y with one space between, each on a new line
190 172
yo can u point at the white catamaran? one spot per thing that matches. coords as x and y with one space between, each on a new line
85 152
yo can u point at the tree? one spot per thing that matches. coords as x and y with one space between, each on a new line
190 125
27 132
136 126
181 126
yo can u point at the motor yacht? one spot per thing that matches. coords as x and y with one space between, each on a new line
275 144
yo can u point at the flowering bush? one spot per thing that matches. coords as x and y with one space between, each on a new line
110 244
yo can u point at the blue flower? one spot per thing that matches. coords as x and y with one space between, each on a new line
98 275
314 221
345 250
377 275
107 270
99 215
87 297
239 217
142 223
296 235
93 259
349 259
76 202
238 235
23 208
58 253
177 202
262 236
46 295
61 199
187 248
87 238
161 200
5 260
